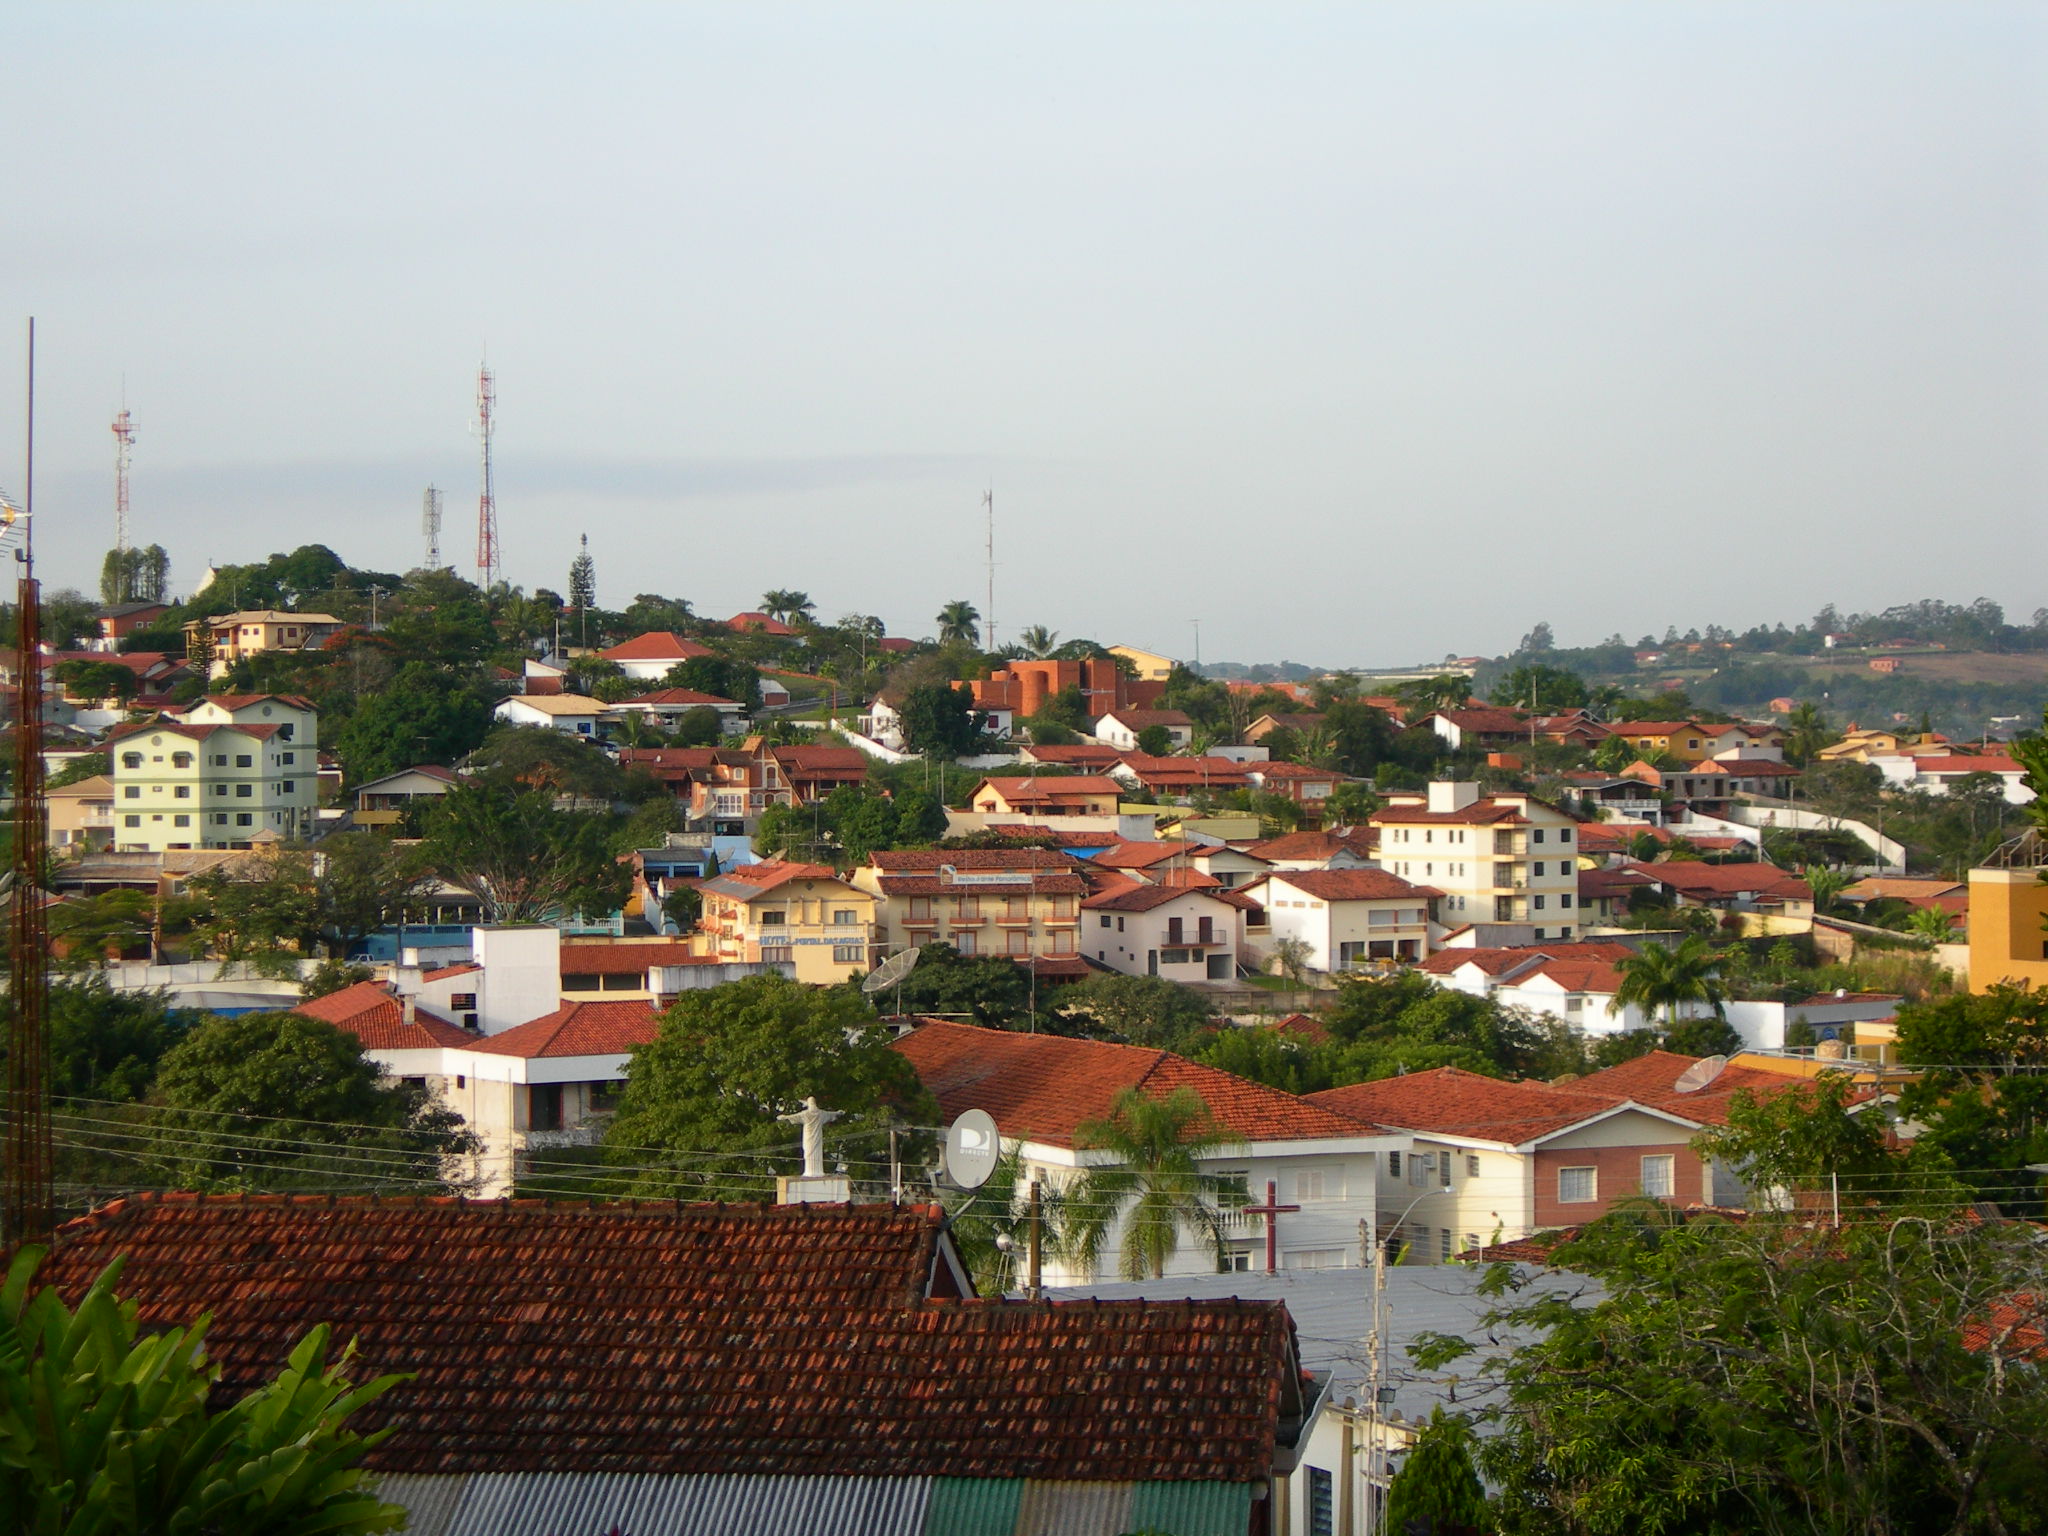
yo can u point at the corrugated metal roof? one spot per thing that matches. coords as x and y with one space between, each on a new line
973 1506
590 1503
1074 1509
1193 1509
430 1498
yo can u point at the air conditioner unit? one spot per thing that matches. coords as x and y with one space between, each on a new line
469 1022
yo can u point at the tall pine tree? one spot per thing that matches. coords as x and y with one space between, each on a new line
583 590
1437 1492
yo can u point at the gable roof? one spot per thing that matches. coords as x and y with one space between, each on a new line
1034 790
624 959
1045 1087
656 645
576 1029
1310 845
922 860
370 1013
1143 898
1350 884
1453 1102
1508 961
555 703
744 882
1653 1079
678 696
676 1339
1689 877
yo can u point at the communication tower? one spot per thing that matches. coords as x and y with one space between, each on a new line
124 445
430 525
487 502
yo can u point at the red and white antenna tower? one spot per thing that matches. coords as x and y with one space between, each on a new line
487 503
124 445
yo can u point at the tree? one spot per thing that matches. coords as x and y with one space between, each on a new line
941 720
1137 1010
428 714
105 1045
1437 1491
1805 1141
261 913
109 1429
919 817
1981 1099
331 976
1806 732
1155 741
366 881
1769 1376
526 861
959 621
1826 885
97 681
583 590
702 1098
86 765
1702 1037
992 990
1545 689
1153 1180
720 676
790 607
1038 641
1447 690
1537 640
1291 958
535 757
1658 978
270 1100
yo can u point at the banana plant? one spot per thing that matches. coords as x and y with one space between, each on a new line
106 1433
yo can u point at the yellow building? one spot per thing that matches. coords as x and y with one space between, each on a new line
227 638
801 915
1151 666
2009 915
1021 902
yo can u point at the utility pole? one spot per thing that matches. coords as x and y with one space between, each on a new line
1035 1250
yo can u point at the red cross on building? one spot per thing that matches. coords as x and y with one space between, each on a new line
1271 1210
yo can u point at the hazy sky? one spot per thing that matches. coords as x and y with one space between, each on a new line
1361 333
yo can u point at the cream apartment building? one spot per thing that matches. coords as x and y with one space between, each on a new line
1506 864
1021 902
228 770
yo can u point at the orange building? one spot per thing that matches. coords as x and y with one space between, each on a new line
1023 687
2009 915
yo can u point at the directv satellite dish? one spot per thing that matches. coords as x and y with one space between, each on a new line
1699 1074
972 1147
891 971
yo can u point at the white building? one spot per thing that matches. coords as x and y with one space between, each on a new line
1505 863
1184 933
1120 728
571 713
228 770
1042 1089
1347 917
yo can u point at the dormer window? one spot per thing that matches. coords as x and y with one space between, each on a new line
131 759
181 759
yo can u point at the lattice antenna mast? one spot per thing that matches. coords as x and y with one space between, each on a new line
430 525
124 446
487 502
988 623
27 1186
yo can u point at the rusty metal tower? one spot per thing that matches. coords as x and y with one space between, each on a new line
124 447
487 502
27 1186
430 525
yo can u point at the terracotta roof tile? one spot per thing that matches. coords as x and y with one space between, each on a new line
657 645
666 1339
1045 1087
624 959
1454 1102
575 1029
1351 884
980 860
370 1013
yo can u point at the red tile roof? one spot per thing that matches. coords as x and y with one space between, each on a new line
1485 722
1033 790
575 1029
656 645
1310 845
1507 961
443 972
1303 1026
802 762
1143 898
1089 754
1143 855
1351 884
893 861
1487 812
1138 719
676 696
370 1013
1689 877
1955 764
1453 1102
625 959
1045 1087
1653 1079
1292 771
760 622
766 876
663 1339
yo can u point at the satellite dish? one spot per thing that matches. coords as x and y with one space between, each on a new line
891 971
972 1148
1699 1074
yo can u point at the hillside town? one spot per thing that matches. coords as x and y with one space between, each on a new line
381 892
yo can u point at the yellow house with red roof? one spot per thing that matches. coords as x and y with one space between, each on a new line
779 912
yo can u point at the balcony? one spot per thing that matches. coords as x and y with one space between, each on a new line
968 919
1005 920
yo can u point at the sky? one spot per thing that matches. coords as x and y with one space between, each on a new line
1355 334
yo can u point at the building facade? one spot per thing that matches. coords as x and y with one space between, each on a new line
233 768
1505 862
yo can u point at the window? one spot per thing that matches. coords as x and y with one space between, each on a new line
777 954
287 758
244 819
963 943
1657 1178
284 786
1443 1246
921 909
244 760
1539 869
1019 942
1016 909
1321 1504
244 791
776 917
1472 1166
1313 1258
1443 1169
1318 1184
1421 1166
182 792
462 1002
1565 900
1564 834
1537 837
461 1080
220 818
844 917
1576 1186
1062 942
285 732
1393 1165
131 759
969 909
181 759
220 759
1176 957
220 789
849 954
132 792
131 821
181 821
1539 902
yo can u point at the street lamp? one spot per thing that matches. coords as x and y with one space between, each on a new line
1382 1395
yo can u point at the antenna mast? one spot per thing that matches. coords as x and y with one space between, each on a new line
124 445
487 503
988 622
430 525
27 1189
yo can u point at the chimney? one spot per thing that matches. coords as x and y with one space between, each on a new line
1449 795
409 1008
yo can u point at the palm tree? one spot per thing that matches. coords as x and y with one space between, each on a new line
1659 978
1039 642
787 606
1932 924
1826 884
1806 732
1155 1182
959 620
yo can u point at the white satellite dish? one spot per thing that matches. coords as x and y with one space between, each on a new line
972 1149
891 971
1699 1074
